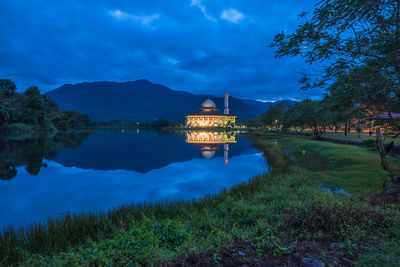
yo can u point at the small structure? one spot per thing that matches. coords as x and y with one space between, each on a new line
382 120
208 116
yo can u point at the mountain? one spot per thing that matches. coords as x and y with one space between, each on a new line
142 100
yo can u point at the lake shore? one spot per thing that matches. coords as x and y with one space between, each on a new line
325 210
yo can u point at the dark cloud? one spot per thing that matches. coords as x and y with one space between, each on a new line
198 46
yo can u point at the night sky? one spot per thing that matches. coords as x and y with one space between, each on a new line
199 46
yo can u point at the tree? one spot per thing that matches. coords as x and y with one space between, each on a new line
4 116
33 112
359 130
49 105
7 88
309 114
358 39
273 116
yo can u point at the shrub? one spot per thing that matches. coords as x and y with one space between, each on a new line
20 127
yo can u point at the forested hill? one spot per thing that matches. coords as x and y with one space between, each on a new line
142 100
32 111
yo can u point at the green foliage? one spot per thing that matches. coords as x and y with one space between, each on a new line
69 119
308 113
30 149
272 118
32 105
341 216
32 111
20 127
159 123
7 88
4 116
274 215
360 42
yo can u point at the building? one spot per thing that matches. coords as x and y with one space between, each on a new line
382 120
208 116
209 142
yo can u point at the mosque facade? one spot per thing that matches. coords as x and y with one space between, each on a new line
208 116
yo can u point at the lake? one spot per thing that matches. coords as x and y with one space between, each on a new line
49 176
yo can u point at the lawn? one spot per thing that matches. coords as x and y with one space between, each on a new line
281 218
362 136
353 168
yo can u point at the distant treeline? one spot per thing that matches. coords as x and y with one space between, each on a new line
158 123
355 47
32 111
321 115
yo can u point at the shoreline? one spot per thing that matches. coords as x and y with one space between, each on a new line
41 243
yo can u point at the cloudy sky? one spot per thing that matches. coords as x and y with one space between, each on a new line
200 46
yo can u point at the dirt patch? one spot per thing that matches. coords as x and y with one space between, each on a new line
390 195
245 254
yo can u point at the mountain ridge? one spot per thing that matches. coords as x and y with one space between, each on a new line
142 100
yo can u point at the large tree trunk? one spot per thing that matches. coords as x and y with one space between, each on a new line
384 162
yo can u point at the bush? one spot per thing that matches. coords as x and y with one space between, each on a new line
21 127
339 216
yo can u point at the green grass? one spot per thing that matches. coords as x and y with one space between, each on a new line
363 136
273 218
354 168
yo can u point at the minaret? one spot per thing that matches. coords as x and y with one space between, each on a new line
226 109
226 151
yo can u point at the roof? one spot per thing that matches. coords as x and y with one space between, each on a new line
209 113
208 103
385 116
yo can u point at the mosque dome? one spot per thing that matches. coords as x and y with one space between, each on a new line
208 104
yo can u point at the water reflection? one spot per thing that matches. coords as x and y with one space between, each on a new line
209 142
103 169
31 151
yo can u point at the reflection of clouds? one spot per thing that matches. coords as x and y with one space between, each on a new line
69 189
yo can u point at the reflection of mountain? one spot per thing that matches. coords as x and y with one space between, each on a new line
112 150
31 150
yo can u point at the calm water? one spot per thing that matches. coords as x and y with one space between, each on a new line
93 171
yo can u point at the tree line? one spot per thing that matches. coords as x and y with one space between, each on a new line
355 46
33 150
316 116
32 111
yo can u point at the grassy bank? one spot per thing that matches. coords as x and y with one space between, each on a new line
278 218
362 136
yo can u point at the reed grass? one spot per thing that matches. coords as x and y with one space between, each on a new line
58 234
273 212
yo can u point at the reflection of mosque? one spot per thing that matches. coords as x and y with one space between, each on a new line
209 142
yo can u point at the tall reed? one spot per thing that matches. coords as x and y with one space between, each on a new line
55 235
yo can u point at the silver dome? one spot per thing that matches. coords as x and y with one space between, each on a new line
208 104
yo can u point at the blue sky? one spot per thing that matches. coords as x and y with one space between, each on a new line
199 46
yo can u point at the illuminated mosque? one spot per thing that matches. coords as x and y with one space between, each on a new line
209 142
209 117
